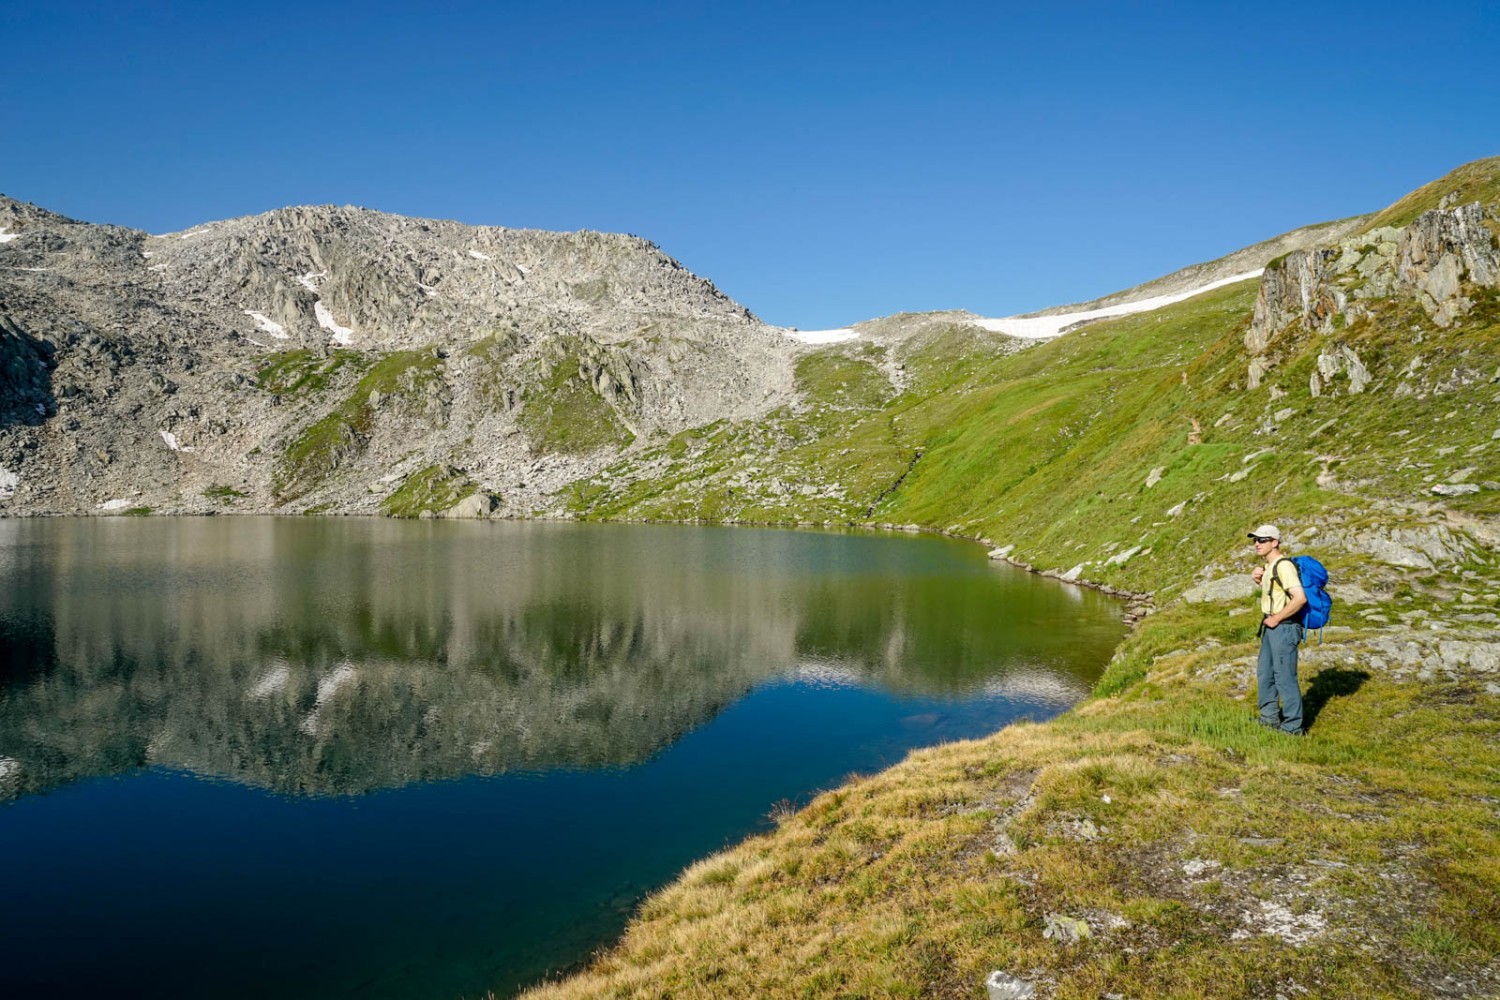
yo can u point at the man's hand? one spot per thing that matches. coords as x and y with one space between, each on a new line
1270 621
1258 573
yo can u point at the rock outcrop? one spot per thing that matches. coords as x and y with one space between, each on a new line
1440 253
1439 259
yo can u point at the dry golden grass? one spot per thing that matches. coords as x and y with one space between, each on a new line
1210 858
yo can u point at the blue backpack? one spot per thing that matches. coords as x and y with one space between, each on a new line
1314 577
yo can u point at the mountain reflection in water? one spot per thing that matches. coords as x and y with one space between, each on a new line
606 703
340 655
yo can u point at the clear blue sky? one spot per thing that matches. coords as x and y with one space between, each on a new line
822 163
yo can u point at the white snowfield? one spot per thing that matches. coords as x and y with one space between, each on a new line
1045 327
7 237
341 334
171 441
823 336
267 324
479 256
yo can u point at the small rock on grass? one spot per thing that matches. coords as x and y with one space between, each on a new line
1004 986
1065 929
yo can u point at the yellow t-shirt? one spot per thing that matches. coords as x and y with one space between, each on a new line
1273 599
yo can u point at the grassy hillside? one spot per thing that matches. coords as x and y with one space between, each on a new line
1154 841
1478 181
1130 449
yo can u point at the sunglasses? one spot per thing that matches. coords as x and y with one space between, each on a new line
1256 539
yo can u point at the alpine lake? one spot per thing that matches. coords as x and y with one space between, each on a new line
351 757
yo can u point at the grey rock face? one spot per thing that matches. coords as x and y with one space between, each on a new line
1411 653
476 505
25 366
1225 588
1442 249
1422 548
1300 290
394 282
300 356
1065 929
1321 289
1002 985
1339 359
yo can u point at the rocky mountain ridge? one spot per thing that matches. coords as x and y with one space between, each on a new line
319 355
339 359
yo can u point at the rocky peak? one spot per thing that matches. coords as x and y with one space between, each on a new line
320 355
366 279
18 216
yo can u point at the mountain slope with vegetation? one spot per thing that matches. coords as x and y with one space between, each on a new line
1151 842
1154 841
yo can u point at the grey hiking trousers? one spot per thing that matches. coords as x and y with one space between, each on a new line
1276 677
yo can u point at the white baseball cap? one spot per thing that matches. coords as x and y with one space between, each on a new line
1266 531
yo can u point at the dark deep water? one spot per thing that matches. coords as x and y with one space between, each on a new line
245 757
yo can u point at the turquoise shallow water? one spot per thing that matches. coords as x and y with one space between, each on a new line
349 757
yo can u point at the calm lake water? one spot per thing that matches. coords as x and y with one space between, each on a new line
245 757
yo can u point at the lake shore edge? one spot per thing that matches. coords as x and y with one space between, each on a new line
1057 853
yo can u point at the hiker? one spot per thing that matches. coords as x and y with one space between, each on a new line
1281 601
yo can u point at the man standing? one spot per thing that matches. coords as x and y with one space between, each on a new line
1281 601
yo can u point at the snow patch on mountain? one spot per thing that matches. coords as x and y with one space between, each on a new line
823 336
266 323
1045 327
341 334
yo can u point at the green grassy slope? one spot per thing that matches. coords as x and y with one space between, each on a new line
1051 449
1207 857
1477 181
332 440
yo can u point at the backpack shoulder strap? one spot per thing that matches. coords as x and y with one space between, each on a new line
1276 573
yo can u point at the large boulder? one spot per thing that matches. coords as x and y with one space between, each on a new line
1225 588
475 505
